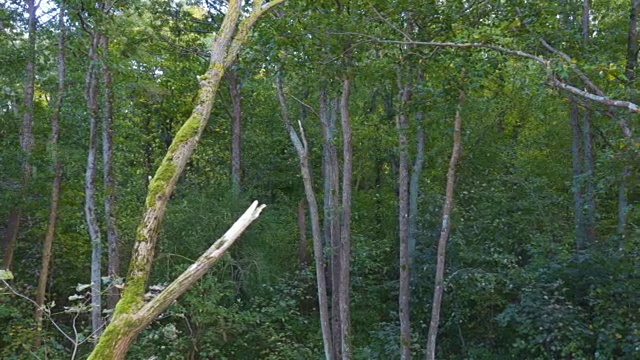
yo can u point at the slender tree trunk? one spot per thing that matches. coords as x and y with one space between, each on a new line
303 253
345 233
113 241
57 180
402 123
331 180
132 314
589 158
577 153
444 234
26 139
300 144
414 186
90 189
236 131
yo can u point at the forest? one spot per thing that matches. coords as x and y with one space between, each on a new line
319 179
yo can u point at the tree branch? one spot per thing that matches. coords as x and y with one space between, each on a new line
546 64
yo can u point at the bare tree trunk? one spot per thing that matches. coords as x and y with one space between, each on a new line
236 131
345 231
589 158
331 181
444 233
589 152
577 153
414 186
90 189
57 180
402 123
113 241
132 314
26 139
300 144
303 253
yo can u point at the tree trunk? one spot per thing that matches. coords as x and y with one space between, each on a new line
345 231
57 180
113 293
589 158
26 139
577 153
303 253
402 123
236 131
300 144
132 314
90 189
331 181
414 186
444 234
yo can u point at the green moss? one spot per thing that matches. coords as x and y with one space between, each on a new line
116 331
159 182
187 131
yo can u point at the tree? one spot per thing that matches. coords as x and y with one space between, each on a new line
302 148
57 177
132 314
444 233
26 137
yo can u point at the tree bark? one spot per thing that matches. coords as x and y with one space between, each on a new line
26 139
300 144
414 190
345 230
444 233
236 131
303 253
113 292
402 124
331 181
577 153
132 314
589 158
90 188
57 179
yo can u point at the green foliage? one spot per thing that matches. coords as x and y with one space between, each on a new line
516 288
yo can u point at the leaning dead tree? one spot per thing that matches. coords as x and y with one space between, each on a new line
132 314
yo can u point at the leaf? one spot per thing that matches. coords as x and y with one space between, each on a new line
6 275
81 287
